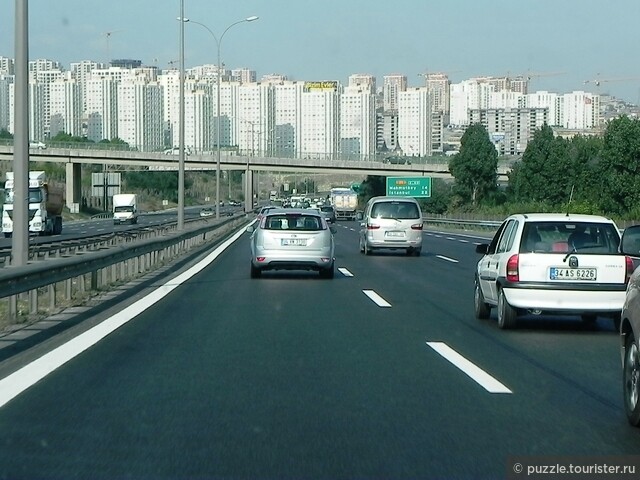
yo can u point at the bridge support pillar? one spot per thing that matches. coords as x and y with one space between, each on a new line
248 191
73 184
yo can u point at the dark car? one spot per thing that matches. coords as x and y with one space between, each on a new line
630 330
329 213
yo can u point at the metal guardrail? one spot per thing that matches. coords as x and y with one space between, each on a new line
39 288
464 223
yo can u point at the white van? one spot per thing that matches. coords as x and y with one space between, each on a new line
391 223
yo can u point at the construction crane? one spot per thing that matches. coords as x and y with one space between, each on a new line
107 36
598 81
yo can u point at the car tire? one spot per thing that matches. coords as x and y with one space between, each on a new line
361 246
631 380
367 249
417 251
482 309
255 272
507 315
328 272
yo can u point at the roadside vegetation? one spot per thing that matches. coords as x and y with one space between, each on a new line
585 174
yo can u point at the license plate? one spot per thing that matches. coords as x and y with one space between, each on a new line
395 234
294 242
578 274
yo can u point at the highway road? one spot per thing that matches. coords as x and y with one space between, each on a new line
381 372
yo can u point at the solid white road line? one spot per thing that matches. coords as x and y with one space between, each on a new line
474 372
345 272
30 374
452 260
377 299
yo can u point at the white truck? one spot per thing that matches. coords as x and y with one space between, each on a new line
125 208
46 202
345 202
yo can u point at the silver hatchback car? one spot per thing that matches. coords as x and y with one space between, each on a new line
292 239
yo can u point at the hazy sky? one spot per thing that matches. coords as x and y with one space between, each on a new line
575 40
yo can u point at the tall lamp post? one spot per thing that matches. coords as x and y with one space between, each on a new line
218 44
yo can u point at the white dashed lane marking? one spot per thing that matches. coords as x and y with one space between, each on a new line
345 272
452 260
482 378
377 299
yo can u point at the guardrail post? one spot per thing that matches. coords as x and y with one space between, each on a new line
94 280
33 301
13 307
51 290
67 289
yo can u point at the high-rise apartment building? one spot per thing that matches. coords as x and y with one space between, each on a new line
65 107
319 120
510 129
243 75
357 122
438 85
580 110
6 81
140 114
7 66
391 87
363 80
420 129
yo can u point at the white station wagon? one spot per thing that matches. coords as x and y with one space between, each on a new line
558 264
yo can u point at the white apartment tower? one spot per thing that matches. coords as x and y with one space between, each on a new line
391 88
420 129
101 108
363 80
580 110
319 120
438 85
140 114
357 122
6 81
65 107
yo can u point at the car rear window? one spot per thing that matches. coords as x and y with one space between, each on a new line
564 237
326 209
398 210
293 222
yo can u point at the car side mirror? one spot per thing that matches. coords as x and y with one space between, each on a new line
483 248
359 216
250 229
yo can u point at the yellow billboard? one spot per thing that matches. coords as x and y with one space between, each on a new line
325 86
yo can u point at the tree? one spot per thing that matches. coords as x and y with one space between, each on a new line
620 165
372 186
438 202
546 172
474 167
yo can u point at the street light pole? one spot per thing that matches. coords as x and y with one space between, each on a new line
218 148
181 127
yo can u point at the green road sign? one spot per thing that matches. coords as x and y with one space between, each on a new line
418 187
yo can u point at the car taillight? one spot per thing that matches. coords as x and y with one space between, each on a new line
512 269
416 226
371 226
260 259
629 268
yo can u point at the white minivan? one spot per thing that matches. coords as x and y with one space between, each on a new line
391 223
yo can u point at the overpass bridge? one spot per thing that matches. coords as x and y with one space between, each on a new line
73 158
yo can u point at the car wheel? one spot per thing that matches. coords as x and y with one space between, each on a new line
367 249
507 315
255 272
417 251
328 272
631 380
483 311
361 246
